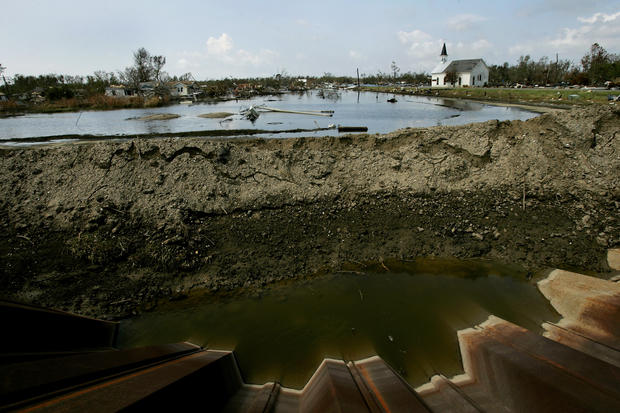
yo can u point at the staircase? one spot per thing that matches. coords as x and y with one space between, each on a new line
573 367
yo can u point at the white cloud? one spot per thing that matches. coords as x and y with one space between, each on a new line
599 17
264 56
355 55
222 58
220 45
421 46
480 45
463 22
573 42
424 49
413 36
222 49
519 49
600 28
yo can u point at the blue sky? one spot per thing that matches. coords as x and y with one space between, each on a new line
216 39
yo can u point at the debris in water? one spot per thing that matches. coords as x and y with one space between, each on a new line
297 112
215 115
352 128
250 113
158 116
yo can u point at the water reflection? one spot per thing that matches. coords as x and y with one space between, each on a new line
407 312
350 109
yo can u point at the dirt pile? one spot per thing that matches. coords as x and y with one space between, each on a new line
104 228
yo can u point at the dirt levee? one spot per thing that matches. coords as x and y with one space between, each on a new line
104 228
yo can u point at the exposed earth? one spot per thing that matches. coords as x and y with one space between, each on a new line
108 228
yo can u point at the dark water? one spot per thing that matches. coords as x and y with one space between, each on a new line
350 109
408 315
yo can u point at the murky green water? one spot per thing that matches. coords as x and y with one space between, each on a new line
406 312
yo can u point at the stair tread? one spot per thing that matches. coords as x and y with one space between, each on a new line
388 392
40 377
126 391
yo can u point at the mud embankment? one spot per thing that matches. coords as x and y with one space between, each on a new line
106 228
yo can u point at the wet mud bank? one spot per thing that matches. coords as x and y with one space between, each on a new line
108 228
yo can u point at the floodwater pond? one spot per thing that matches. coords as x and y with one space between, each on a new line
350 109
406 312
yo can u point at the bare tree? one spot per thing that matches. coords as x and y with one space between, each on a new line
157 63
395 69
186 77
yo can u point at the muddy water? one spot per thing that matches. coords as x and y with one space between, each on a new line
350 108
406 312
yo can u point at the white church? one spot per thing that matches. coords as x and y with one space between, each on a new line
469 72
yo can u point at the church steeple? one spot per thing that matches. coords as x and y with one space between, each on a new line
444 54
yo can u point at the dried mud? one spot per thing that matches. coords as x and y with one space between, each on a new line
108 228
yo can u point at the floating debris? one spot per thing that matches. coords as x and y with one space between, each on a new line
216 115
298 112
352 128
250 113
158 116
392 100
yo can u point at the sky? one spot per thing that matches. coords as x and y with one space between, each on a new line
239 38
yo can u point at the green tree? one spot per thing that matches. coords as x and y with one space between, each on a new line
600 65
452 77
142 65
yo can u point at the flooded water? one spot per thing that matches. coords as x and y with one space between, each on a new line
350 109
406 312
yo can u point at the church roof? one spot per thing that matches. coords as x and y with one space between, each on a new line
459 66
441 67
465 65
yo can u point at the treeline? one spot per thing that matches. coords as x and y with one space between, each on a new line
62 86
146 67
596 67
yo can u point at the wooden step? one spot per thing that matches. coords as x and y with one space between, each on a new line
330 389
581 343
383 389
47 376
253 399
441 395
207 378
589 306
36 329
530 373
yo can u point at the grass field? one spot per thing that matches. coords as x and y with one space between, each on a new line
507 95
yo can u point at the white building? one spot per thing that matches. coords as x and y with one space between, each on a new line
468 72
182 88
118 91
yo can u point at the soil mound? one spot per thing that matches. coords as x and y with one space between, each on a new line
106 227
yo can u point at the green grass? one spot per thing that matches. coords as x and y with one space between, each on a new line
507 95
